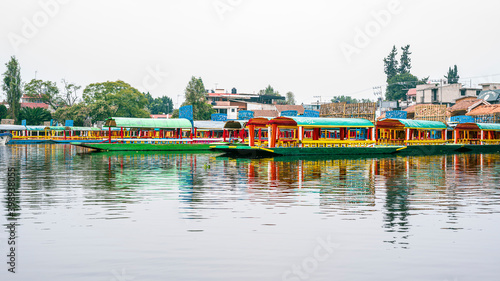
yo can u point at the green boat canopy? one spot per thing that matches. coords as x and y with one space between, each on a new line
489 126
36 128
58 128
125 122
319 122
411 124
479 126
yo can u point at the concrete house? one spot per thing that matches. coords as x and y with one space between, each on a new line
443 94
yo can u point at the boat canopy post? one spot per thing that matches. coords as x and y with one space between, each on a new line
251 135
109 134
272 135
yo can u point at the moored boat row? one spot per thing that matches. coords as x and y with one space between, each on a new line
345 136
293 136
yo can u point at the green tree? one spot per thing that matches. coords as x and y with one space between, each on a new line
122 99
452 75
47 91
269 91
160 105
195 95
101 110
3 111
405 60
398 86
34 116
78 113
175 113
290 98
12 87
391 64
346 99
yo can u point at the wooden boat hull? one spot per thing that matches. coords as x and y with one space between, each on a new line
255 152
144 146
419 150
24 141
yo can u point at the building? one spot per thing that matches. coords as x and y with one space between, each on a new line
33 102
232 103
464 105
443 94
490 86
486 113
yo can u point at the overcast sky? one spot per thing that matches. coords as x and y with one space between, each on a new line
312 48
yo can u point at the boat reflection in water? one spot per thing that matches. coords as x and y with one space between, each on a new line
395 191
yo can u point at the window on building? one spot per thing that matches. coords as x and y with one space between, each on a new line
478 92
462 92
223 110
233 110
434 95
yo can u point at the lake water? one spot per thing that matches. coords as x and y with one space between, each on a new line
163 216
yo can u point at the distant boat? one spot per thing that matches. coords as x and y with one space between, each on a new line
6 132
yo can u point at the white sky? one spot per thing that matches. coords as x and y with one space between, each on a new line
291 45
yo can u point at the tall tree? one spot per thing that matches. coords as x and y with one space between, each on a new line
121 99
160 105
34 116
47 91
405 60
195 95
391 64
452 75
3 111
12 87
290 98
269 91
70 94
399 85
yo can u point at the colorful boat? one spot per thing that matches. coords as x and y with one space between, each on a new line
146 134
431 137
8 131
478 137
304 136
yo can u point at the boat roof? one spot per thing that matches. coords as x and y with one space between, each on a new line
259 121
12 127
411 124
77 128
479 126
126 122
35 128
57 128
209 125
235 124
321 122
